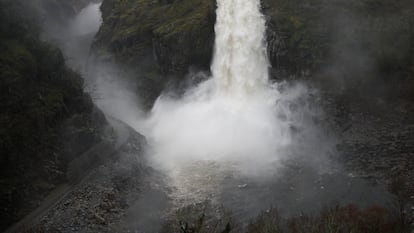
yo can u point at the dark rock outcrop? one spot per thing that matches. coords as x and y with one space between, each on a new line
172 34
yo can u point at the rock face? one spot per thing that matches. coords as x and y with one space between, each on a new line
46 118
156 41
345 43
172 34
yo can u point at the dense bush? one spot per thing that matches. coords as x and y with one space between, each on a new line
336 219
200 218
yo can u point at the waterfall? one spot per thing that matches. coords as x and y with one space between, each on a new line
235 117
237 124
240 64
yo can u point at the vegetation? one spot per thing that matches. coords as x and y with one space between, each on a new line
199 218
353 41
180 32
336 219
157 40
208 218
40 98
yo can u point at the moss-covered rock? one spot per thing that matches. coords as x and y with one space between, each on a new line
173 34
157 40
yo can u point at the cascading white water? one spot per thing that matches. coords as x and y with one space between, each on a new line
228 126
233 117
235 126
240 64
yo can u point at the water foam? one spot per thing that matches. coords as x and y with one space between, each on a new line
236 116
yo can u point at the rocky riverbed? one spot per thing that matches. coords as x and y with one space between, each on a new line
104 196
125 195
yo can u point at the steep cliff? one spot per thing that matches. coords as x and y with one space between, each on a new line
46 119
341 41
174 34
349 41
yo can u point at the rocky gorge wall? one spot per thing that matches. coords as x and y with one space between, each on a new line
341 44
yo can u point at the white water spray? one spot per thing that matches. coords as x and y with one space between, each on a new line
236 117
74 36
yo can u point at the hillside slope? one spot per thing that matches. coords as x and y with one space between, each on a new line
46 119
